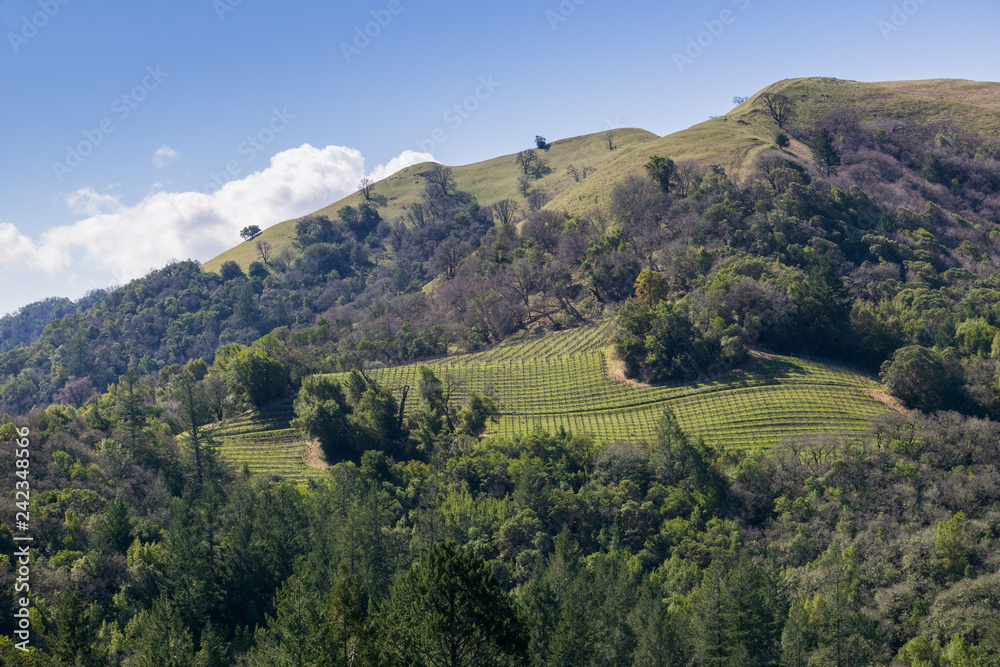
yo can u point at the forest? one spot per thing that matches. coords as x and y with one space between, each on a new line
427 544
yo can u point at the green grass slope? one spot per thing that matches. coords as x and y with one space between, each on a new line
266 443
735 139
563 380
490 181
732 141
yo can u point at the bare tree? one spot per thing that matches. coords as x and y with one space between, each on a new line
523 185
609 138
571 170
779 106
367 187
532 163
525 159
264 250
538 200
441 176
687 175
504 211
449 255
545 229
416 214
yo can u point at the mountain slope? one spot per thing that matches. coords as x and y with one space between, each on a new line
489 181
733 141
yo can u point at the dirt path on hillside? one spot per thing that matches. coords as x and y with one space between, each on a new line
314 456
614 368
888 400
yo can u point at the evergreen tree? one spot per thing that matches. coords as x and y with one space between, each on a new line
114 526
933 170
72 641
130 407
448 610
660 642
825 151
194 410
661 169
159 638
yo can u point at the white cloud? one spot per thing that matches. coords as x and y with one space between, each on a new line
398 163
164 155
126 241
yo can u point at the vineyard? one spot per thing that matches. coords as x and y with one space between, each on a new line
266 443
561 380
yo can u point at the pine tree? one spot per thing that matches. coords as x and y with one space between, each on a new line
194 410
130 407
449 610
933 170
71 641
159 638
114 526
825 151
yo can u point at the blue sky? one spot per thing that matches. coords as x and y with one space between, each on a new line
137 132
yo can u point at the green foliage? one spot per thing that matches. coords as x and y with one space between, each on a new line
321 412
739 615
650 288
954 549
933 170
472 419
367 418
71 638
975 337
449 610
314 229
251 374
661 169
158 638
114 527
825 151
130 407
660 342
310 630
919 377
231 271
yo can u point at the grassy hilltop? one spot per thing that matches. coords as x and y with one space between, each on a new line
732 141
490 181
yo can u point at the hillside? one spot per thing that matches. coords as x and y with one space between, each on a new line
488 181
568 380
732 141
692 462
565 380
737 138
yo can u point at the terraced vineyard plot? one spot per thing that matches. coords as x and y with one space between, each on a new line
267 443
560 380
